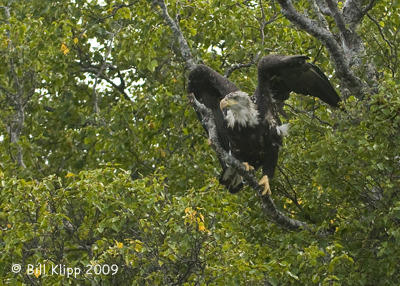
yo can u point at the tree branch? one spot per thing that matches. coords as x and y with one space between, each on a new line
323 7
176 30
16 125
354 13
339 19
99 72
319 12
234 67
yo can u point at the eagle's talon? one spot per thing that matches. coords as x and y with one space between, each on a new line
248 167
265 182
191 97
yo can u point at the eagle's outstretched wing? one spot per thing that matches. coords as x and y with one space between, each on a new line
283 74
209 87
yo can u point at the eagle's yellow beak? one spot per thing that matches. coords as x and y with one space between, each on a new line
226 102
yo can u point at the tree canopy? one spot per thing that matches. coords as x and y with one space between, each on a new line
104 162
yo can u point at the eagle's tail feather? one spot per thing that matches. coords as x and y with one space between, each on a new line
283 130
231 180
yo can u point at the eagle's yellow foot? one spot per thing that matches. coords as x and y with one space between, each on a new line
265 182
209 141
248 167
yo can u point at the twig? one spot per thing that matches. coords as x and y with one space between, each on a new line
381 32
100 71
255 59
234 67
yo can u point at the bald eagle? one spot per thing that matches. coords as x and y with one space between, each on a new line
249 128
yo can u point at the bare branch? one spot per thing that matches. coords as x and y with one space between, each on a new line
339 19
95 70
234 67
16 125
353 11
176 30
323 7
319 13
100 71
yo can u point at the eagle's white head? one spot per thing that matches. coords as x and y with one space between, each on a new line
238 108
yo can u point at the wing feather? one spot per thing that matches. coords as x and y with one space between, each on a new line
209 86
284 74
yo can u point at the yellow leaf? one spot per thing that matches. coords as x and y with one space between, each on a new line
163 154
151 125
69 175
64 48
76 40
138 247
8 225
202 227
6 42
36 272
119 244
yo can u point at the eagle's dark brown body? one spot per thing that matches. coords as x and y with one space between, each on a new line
256 146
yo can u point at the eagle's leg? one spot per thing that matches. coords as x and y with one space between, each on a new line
265 182
248 167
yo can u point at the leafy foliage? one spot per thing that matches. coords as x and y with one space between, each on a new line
118 170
